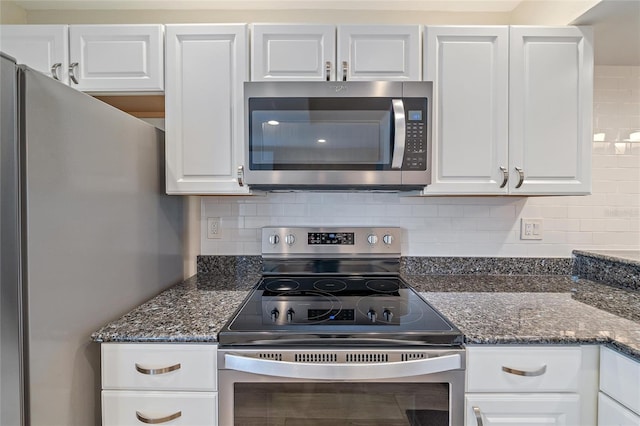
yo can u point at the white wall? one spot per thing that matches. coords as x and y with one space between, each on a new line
475 226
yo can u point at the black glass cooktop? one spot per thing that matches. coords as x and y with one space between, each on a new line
345 310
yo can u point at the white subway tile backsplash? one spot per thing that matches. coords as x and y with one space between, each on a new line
473 226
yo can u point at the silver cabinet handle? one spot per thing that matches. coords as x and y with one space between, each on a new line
348 371
538 372
55 70
521 177
154 371
147 420
345 69
478 414
400 133
327 70
240 175
505 176
72 72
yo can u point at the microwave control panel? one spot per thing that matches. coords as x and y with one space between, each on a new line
415 152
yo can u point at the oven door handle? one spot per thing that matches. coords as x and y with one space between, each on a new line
348 371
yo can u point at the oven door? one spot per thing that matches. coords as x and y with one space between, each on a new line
260 388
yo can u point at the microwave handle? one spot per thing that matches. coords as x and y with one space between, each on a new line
400 133
347 371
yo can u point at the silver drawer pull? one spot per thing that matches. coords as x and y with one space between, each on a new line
150 421
538 372
478 414
154 371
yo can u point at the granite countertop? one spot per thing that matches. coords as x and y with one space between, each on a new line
488 309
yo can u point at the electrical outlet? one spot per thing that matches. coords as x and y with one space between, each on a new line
531 229
213 228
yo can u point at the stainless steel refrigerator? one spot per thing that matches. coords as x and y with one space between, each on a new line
87 234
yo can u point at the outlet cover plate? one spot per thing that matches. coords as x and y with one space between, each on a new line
213 228
531 229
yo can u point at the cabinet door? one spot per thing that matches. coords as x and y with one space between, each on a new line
522 410
293 52
550 109
123 408
611 413
620 378
470 70
41 47
206 68
116 57
378 52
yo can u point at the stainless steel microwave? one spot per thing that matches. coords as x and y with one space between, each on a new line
337 135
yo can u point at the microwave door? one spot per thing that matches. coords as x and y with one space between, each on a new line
400 133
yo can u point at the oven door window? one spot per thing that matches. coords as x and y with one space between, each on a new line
320 133
339 403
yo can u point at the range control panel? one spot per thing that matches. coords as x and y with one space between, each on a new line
338 241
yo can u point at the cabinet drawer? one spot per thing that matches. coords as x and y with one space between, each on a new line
523 369
124 408
159 366
557 409
619 378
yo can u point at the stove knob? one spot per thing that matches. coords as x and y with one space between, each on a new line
372 239
274 239
388 315
274 315
289 239
387 239
290 314
371 315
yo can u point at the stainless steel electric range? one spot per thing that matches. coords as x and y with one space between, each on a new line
332 322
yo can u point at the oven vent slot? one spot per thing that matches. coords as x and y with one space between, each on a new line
364 358
410 356
316 357
272 356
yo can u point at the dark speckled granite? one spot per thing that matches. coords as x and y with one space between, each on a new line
487 308
535 309
608 268
193 311
229 265
486 265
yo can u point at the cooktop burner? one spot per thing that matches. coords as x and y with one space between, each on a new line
335 286
364 310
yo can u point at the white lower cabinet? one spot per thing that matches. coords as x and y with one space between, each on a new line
619 398
174 384
522 409
612 413
531 385
125 408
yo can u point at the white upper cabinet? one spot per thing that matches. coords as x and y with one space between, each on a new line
206 66
91 58
292 52
470 70
116 57
378 52
550 109
512 109
42 47
300 52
